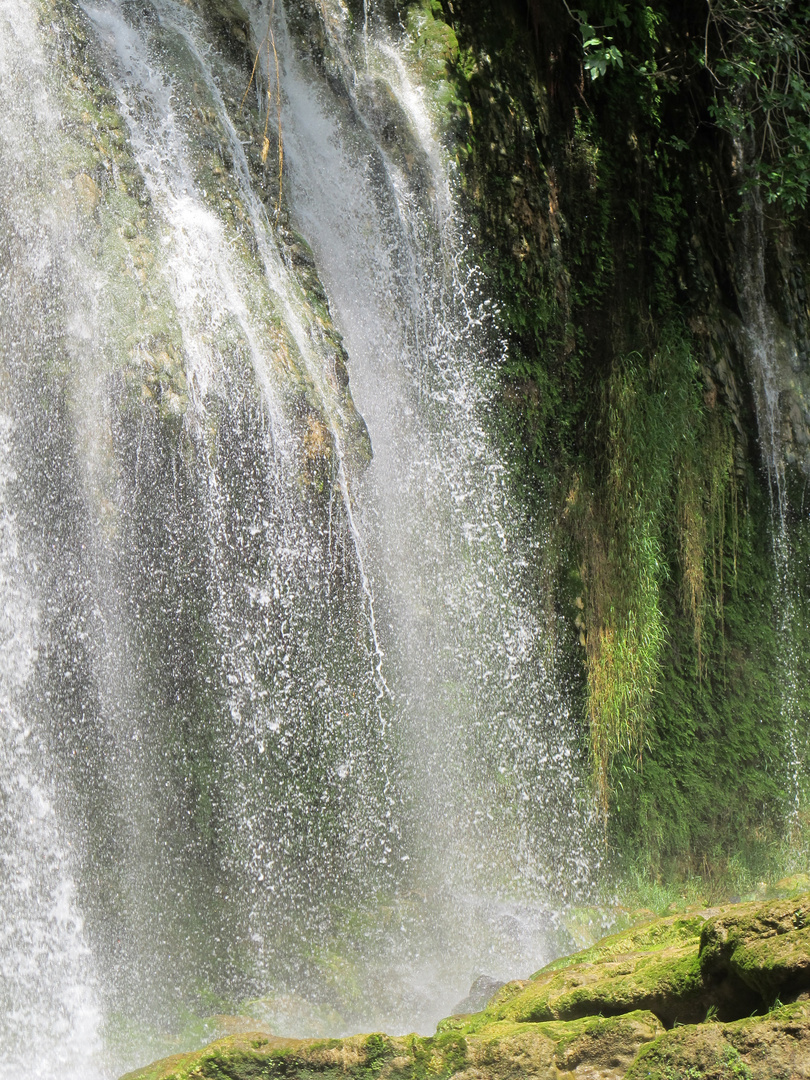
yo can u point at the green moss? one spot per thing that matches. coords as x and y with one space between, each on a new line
667 982
431 46
765 946
712 778
502 1049
758 1048
676 930
602 206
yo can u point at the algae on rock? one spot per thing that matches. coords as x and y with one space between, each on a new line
607 200
601 1014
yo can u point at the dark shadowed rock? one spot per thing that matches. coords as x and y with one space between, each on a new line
481 991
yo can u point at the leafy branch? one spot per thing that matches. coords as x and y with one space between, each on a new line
757 55
599 48
762 75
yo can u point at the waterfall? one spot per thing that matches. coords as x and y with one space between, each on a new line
477 698
48 980
48 990
283 726
771 356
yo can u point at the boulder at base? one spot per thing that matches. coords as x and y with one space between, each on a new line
595 1047
601 1014
765 947
772 1047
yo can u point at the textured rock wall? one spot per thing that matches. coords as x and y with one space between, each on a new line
656 390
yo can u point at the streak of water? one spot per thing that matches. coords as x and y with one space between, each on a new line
485 724
770 357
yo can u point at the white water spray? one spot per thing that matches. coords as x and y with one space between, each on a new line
276 729
474 667
770 356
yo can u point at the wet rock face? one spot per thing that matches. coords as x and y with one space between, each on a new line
481 991
601 1014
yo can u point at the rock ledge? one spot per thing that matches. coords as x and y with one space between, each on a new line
671 998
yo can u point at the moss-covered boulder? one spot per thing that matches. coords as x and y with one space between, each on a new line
772 1047
597 1047
591 1015
655 967
766 947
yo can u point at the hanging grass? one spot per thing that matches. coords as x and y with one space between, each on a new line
666 458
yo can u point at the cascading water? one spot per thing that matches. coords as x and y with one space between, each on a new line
771 356
278 724
483 722
48 988
47 971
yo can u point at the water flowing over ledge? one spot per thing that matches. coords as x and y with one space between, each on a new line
283 716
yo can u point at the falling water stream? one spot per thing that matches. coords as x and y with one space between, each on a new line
771 356
283 732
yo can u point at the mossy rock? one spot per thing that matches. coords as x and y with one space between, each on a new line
256 1054
596 1047
772 1047
668 982
653 967
588 1016
731 961
765 946
650 936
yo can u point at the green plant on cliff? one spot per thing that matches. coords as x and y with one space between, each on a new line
757 54
602 194
712 775
622 567
667 459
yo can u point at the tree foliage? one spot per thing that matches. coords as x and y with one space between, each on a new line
756 55
761 70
